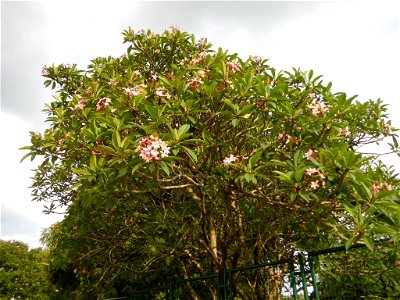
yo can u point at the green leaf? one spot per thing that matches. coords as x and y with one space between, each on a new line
368 242
191 153
298 174
250 178
350 242
284 177
183 129
254 159
122 172
136 167
304 195
116 139
165 168
93 162
279 163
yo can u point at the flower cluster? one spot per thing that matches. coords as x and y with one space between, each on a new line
377 187
113 82
80 105
202 42
200 59
103 103
202 73
257 59
194 83
152 148
345 132
45 70
287 138
162 93
230 160
132 92
386 128
319 107
232 66
310 153
136 73
315 178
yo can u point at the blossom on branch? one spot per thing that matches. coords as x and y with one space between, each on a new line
152 149
229 160
103 103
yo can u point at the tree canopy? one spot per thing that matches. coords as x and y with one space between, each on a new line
176 159
23 272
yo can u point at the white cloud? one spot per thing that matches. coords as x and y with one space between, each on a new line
78 33
355 45
15 180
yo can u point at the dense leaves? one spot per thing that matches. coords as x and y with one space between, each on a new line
178 159
23 272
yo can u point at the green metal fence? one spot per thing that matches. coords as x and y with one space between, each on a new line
307 276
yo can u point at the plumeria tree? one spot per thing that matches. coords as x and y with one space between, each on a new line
177 159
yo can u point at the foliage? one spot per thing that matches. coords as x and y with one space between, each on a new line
176 159
23 272
360 273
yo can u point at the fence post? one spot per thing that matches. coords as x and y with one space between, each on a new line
222 291
313 277
303 276
293 279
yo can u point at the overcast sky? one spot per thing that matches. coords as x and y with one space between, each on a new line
353 44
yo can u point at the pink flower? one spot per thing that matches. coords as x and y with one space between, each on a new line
201 42
152 149
345 132
309 153
257 59
376 187
194 83
202 55
103 103
312 95
314 184
80 105
233 66
229 160
386 127
132 92
311 171
201 73
162 93
45 70
388 187
137 73
319 107
112 82
281 136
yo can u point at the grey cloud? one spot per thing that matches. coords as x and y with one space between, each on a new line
21 58
13 223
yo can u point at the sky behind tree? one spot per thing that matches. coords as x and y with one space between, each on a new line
353 44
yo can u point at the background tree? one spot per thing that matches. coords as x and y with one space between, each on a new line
360 273
175 159
23 272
